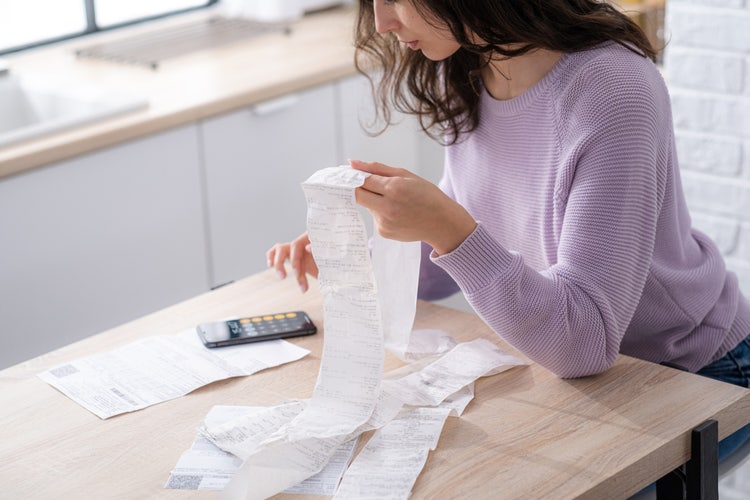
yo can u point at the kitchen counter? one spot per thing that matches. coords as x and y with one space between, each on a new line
184 89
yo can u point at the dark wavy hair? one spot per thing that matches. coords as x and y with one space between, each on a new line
444 94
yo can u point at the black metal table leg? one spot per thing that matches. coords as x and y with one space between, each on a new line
698 479
703 467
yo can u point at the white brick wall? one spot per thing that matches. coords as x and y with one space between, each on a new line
707 66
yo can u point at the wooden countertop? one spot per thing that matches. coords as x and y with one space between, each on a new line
186 88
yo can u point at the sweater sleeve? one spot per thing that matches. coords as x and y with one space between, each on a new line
571 317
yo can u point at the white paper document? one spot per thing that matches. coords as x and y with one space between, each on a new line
205 466
157 369
389 464
449 373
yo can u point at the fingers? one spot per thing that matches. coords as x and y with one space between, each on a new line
380 169
297 258
381 180
299 255
276 256
370 167
367 197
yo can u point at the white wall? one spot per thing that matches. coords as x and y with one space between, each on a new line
707 65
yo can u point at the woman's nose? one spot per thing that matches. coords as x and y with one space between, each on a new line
385 20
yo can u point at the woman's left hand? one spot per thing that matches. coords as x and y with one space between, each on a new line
406 207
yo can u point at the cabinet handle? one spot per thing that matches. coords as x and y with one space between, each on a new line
274 105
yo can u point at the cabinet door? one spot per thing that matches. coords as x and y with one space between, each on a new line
255 162
403 144
90 243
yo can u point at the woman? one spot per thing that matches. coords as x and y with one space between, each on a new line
560 214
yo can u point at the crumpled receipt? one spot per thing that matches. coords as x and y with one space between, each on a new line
369 305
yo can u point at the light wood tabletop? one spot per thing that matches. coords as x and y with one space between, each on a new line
527 434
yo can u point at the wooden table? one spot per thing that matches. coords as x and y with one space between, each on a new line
526 435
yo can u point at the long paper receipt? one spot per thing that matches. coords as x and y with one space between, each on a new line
369 306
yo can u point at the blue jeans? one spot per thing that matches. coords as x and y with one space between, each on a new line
733 368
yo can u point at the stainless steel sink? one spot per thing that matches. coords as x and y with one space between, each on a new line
31 109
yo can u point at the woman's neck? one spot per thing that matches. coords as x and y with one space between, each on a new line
508 78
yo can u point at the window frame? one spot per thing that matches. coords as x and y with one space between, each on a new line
92 27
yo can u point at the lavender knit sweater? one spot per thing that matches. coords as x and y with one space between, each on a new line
584 247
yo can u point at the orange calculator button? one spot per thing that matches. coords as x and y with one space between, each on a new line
291 315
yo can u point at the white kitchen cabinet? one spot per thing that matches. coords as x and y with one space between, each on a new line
92 242
403 144
256 158
89 243
255 161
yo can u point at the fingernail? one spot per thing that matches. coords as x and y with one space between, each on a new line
280 274
303 287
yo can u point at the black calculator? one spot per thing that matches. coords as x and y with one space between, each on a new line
256 329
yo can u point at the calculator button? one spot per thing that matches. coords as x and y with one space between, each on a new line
291 315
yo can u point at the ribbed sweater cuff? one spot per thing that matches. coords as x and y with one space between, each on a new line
476 262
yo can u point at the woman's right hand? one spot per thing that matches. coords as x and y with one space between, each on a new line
300 257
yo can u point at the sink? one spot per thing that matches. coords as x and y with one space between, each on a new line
33 109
